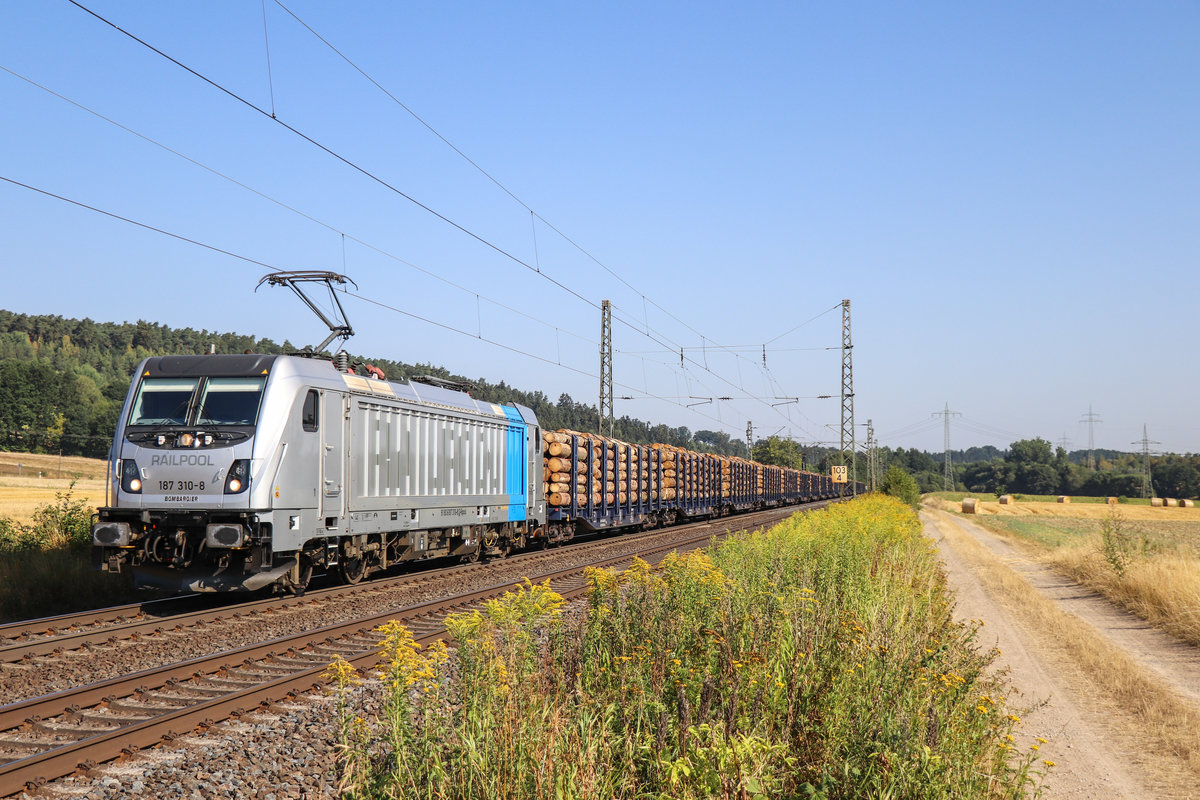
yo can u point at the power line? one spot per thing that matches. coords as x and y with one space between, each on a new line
755 348
367 173
181 238
344 236
533 214
331 152
435 323
802 324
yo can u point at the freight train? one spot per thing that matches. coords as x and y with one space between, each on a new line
241 472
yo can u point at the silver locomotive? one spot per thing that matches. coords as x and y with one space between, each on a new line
238 472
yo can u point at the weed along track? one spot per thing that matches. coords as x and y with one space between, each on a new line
249 663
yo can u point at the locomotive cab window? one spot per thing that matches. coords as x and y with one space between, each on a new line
197 401
163 401
311 406
229 401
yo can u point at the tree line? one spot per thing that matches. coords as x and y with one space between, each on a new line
63 381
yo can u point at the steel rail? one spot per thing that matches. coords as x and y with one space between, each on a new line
41 625
16 651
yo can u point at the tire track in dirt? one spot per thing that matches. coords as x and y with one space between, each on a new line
1095 754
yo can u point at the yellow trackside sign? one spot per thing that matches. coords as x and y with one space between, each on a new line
840 474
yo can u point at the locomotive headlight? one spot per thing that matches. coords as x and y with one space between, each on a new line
239 477
131 478
186 439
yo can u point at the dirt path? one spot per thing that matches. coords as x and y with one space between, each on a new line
1095 751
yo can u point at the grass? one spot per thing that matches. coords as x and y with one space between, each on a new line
45 563
755 669
1151 719
1148 567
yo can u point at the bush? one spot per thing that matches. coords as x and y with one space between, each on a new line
45 566
753 670
899 484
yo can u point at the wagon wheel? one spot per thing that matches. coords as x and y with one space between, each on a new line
352 569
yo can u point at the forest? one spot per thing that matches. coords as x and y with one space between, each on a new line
62 383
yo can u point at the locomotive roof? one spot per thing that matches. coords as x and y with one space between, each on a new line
216 366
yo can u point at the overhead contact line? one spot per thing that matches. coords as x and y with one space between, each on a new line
367 173
533 213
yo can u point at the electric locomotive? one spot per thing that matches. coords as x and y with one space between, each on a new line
239 472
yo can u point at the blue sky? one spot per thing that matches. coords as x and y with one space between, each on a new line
1007 193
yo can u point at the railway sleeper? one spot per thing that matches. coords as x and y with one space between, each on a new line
226 684
299 662
145 710
62 731
20 746
182 696
116 721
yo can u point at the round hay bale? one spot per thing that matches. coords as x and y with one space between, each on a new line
1112 501
1062 498
1171 502
970 505
1187 503
1156 502
1007 500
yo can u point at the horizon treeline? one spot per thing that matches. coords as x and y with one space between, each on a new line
63 381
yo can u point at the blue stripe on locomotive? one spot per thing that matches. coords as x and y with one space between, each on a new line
516 463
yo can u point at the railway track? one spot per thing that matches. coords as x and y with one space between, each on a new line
23 641
54 735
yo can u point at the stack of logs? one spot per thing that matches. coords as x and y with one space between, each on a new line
633 473
619 472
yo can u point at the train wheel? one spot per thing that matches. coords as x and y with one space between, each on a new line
352 570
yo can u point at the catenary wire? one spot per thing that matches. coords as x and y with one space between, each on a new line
367 173
534 214
430 273
350 294
181 238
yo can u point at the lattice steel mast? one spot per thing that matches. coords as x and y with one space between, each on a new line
1147 486
848 395
1091 419
871 453
947 468
606 364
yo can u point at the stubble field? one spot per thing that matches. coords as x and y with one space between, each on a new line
30 480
